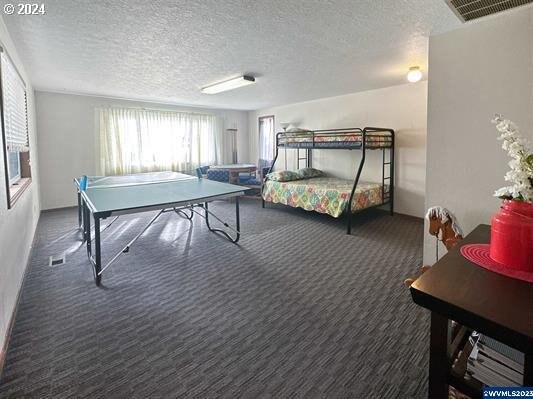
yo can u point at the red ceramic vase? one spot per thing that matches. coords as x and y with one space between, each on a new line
511 236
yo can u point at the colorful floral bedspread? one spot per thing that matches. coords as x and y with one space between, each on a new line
322 194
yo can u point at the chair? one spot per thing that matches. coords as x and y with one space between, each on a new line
264 166
245 177
255 183
201 171
218 175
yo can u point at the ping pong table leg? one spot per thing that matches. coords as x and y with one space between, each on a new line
79 210
97 252
237 219
95 261
88 241
182 213
87 229
82 223
237 223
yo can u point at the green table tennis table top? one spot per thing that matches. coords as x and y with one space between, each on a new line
106 195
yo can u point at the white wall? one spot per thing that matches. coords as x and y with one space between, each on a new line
402 108
68 139
17 225
475 72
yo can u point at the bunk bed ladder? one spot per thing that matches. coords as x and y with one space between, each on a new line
305 158
388 196
391 173
385 194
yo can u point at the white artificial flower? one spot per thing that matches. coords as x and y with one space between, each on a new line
515 148
502 192
521 173
505 145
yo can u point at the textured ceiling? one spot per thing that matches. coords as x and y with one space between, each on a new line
166 50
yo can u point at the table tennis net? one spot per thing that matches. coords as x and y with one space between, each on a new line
136 179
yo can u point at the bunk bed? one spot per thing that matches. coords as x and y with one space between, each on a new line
327 194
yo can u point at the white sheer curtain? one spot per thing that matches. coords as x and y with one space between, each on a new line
138 140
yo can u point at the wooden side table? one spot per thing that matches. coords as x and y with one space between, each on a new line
484 301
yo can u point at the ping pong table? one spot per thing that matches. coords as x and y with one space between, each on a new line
112 196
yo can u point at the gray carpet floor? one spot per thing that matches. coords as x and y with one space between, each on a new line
298 309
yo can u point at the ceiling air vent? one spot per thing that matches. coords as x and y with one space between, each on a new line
468 10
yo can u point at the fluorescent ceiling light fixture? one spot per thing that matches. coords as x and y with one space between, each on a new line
228 85
414 74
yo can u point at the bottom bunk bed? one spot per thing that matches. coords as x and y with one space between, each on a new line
328 195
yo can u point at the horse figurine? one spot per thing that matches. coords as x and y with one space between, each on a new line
443 225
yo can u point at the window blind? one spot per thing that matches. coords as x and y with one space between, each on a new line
14 106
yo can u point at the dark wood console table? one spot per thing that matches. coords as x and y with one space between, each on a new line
478 299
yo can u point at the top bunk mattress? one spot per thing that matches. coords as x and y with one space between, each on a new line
350 139
323 194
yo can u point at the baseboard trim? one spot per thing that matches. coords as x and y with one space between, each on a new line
409 216
58 209
7 337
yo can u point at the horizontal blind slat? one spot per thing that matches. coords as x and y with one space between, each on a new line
15 107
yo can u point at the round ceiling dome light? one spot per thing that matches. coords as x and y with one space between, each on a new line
414 74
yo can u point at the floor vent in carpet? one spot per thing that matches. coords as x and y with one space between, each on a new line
57 260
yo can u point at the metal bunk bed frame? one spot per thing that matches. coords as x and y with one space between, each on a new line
387 197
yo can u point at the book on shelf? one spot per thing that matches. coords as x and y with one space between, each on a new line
493 363
489 377
504 353
481 364
492 360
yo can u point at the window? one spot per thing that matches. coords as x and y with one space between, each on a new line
14 130
266 138
13 166
139 140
